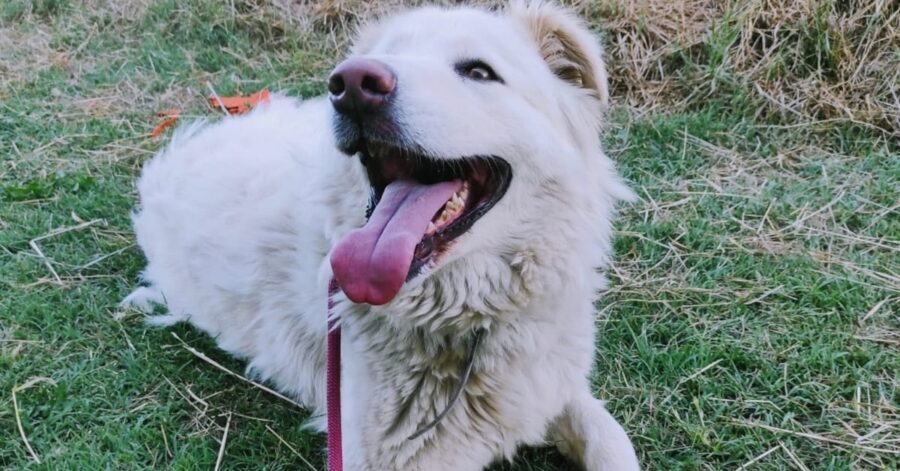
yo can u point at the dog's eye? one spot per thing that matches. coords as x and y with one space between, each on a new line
479 73
477 70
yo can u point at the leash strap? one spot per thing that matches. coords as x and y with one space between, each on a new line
454 398
333 384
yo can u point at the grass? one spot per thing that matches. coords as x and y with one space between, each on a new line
753 318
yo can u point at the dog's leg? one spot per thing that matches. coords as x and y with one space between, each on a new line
588 434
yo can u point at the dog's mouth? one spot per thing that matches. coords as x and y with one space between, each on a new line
419 206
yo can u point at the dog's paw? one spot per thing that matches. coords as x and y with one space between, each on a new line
590 435
146 299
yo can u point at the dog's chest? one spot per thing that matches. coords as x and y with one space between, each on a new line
398 381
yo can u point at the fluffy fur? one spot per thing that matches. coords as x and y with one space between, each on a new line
238 217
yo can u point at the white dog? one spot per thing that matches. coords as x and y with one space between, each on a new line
454 185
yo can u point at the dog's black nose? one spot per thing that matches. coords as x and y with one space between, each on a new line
358 87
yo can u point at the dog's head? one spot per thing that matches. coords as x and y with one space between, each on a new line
479 134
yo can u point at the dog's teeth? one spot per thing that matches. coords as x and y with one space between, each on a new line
452 210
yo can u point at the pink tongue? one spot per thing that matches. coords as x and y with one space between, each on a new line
371 263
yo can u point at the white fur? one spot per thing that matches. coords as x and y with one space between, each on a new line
238 217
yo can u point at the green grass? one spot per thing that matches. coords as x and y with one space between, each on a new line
753 309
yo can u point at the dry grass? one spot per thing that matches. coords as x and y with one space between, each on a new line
809 60
806 61
825 61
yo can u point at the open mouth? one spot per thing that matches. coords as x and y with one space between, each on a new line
418 206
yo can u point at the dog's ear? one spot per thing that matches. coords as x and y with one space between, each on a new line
569 48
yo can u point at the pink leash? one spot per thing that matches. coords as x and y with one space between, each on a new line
333 384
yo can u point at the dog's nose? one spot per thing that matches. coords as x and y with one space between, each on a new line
360 86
